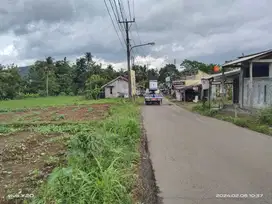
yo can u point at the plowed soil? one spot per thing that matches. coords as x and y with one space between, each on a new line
26 161
64 113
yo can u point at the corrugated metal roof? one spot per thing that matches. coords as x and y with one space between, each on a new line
119 77
192 82
243 59
229 73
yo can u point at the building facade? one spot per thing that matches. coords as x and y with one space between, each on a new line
116 88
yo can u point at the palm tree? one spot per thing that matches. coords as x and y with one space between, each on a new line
48 66
89 58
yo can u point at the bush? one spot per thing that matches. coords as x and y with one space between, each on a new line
262 129
101 162
27 95
92 93
71 94
62 94
265 116
241 122
205 110
42 93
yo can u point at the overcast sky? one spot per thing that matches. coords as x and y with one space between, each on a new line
211 32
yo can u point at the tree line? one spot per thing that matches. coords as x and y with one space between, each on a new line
51 77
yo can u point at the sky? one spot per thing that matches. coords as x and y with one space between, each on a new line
210 31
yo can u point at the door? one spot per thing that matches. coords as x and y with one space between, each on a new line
235 98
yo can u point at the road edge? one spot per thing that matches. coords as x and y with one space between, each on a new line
148 191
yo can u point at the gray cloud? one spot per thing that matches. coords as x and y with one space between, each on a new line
212 31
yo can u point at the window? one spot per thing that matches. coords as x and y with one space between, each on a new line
110 90
258 70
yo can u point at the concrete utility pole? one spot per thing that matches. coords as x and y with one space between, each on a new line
133 61
126 22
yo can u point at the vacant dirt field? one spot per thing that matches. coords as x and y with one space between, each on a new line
28 157
64 113
26 160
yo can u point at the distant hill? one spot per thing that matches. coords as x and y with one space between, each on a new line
23 71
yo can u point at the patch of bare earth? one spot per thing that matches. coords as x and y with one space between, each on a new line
62 113
26 159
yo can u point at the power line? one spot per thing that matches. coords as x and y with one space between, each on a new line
114 24
142 50
117 19
133 8
137 30
129 9
121 11
115 4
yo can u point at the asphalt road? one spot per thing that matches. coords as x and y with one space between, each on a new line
196 157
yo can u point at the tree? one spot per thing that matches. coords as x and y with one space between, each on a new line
109 73
64 76
10 82
36 77
93 86
168 70
89 59
192 66
48 67
80 75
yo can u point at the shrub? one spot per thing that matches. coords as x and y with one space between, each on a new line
101 161
265 116
42 93
261 128
62 94
205 110
71 94
241 122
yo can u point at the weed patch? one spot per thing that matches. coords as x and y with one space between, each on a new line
260 123
101 161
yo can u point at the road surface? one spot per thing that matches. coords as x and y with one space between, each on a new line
196 157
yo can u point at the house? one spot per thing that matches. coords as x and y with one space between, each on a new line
117 87
213 84
190 87
253 82
176 88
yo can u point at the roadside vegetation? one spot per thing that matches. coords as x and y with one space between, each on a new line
21 104
260 122
93 160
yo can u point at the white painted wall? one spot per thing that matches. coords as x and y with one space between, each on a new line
119 86
258 92
270 70
213 92
178 95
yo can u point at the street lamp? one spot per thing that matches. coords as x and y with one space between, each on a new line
128 52
141 45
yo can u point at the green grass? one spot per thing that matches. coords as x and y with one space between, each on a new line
260 123
6 130
102 159
50 101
